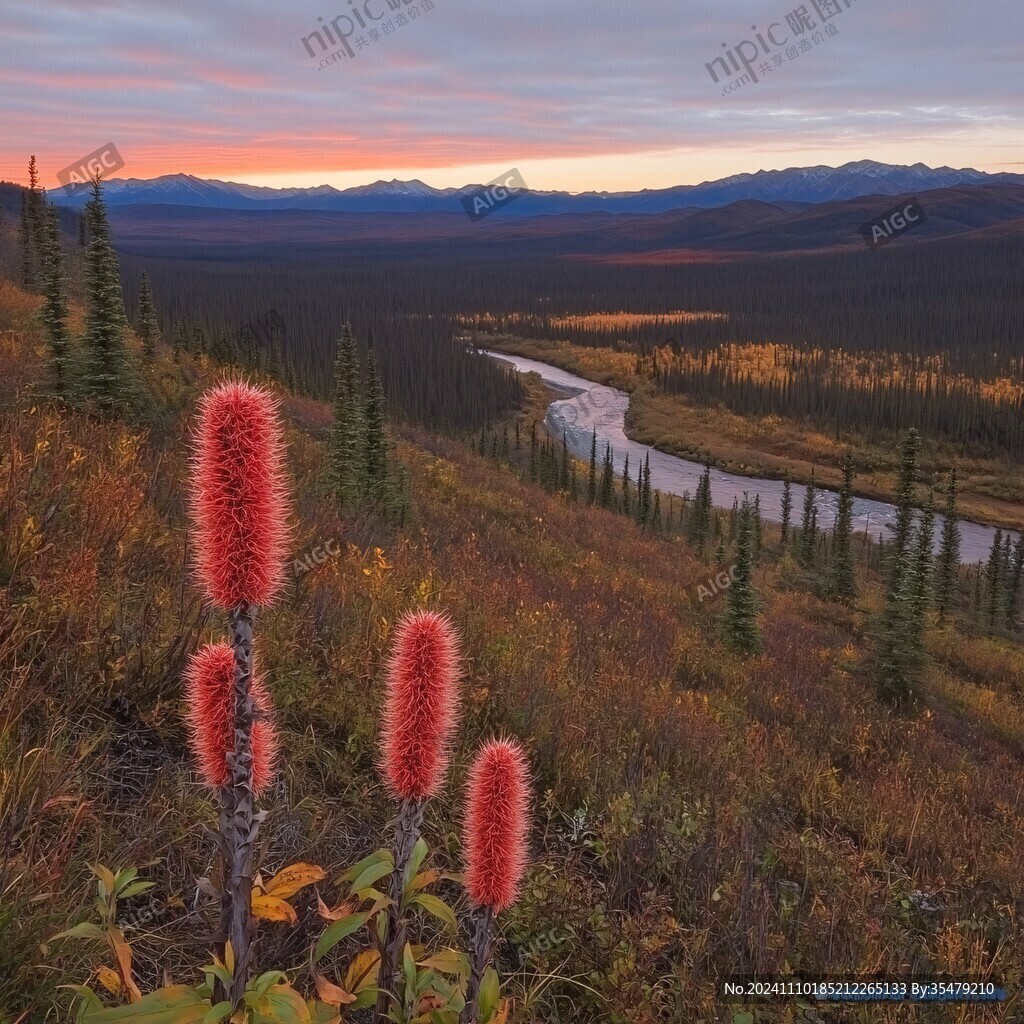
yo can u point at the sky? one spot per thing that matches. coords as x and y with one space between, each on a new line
576 94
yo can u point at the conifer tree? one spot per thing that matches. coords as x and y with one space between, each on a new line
375 442
32 230
656 512
1016 577
645 491
625 487
921 581
787 509
563 470
592 483
899 655
148 329
740 620
948 565
107 374
55 303
993 581
756 525
700 515
347 432
809 526
607 492
842 584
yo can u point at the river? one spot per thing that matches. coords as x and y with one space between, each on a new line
591 407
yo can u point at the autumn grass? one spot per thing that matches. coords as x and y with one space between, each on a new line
698 815
768 446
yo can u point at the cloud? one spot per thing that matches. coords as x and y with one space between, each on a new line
228 89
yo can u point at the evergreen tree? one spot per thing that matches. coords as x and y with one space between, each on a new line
740 620
1016 577
148 329
375 442
55 303
993 581
948 566
656 512
899 654
921 582
32 230
346 445
607 492
592 483
625 487
563 474
809 526
787 509
756 525
700 514
842 584
107 374
645 490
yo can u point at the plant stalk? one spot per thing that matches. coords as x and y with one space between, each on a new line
480 957
408 825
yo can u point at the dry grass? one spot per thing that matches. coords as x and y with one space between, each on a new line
697 815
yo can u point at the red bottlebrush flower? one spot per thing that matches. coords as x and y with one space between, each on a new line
239 497
497 823
210 714
422 705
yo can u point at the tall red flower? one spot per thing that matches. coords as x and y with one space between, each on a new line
239 499
422 705
497 824
210 715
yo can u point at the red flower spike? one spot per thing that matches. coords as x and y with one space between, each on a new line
239 499
421 707
497 824
210 716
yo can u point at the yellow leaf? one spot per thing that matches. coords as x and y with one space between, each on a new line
123 952
362 970
501 1014
109 979
270 908
288 881
330 993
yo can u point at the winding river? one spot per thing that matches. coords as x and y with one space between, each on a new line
591 407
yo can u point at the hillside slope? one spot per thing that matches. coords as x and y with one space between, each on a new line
696 815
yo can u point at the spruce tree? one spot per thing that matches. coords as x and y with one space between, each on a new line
607 491
55 303
625 487
948 566
740 620
1015 580
899 655
756 525
993 581
921 582
787 509
107 373
809 526
700 515
375 442
645 489
148 329
841 583
347 433
32 230
592 482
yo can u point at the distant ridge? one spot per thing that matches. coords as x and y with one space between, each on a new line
798 185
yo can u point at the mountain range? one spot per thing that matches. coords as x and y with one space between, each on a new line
794 185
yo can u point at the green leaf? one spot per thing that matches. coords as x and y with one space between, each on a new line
419 853
374 858
176 1004
437 908
449 961
489 992
339 930
85 930
262 984
409 969
122 878
281 1005
135 888
372 873
218 1013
